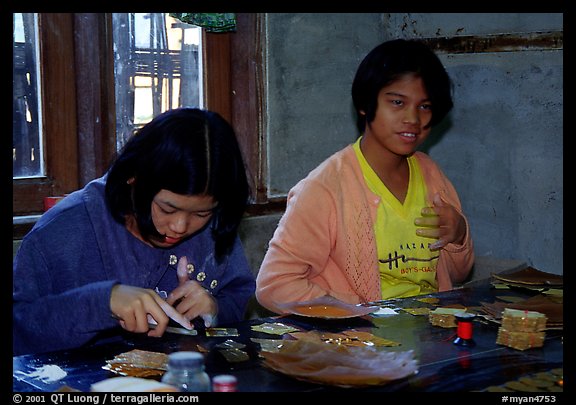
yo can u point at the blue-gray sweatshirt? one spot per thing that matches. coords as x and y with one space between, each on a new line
68 263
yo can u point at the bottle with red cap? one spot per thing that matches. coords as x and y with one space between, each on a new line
224 383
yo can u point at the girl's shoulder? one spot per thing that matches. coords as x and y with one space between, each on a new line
422 156
425 161
340 171
338 163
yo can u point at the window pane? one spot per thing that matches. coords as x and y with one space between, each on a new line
157 67
27 158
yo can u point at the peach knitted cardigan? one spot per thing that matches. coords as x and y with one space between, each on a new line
325 243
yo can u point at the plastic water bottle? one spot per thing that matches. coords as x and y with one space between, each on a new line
185 371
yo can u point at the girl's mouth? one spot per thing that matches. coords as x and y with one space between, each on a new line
171 241
408 134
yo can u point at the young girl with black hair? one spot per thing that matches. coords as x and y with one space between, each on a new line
378 219
154 239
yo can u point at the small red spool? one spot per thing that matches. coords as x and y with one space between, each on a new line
464 330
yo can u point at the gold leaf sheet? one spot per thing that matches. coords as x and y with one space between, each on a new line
340 365
531 276
551 306
138 363
347 338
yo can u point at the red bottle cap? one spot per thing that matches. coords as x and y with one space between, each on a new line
224 383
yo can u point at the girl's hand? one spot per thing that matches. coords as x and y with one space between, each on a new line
135 307
443 222
191 299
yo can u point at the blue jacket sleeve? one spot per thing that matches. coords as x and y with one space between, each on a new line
237 287
42 320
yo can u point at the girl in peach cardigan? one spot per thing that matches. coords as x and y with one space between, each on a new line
377 219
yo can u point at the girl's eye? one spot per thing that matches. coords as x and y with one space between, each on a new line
204 214
165 209
426 106
396 102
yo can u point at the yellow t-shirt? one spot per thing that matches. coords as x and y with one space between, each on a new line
407 265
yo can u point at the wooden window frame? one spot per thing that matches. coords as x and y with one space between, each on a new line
58 102
76 60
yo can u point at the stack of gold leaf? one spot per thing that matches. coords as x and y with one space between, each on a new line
530 277
444 317
549 305
138 363
522 329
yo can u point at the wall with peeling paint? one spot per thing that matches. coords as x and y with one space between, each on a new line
502 145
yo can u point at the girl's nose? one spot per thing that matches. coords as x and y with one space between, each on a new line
178 224
412 116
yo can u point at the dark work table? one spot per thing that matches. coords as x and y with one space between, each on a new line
443 366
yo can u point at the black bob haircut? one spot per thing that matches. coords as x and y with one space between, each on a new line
390 61
187 151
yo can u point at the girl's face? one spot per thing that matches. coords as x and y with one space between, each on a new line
402 116
178 216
